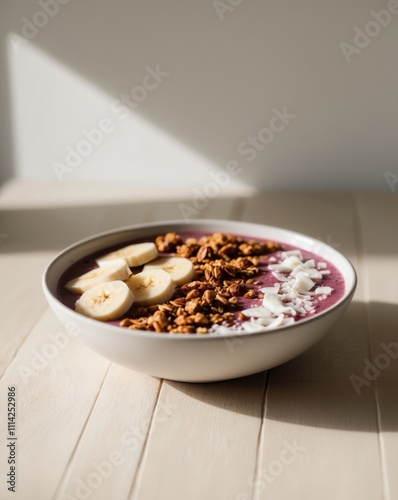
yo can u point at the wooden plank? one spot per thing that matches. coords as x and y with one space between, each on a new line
207 448
319 442
378 214
112 443
57 381
336 357
388 419
23 303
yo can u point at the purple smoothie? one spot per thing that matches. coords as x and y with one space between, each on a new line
334 279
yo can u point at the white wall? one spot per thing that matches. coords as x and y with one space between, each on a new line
229 66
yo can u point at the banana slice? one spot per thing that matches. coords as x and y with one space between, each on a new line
115 270
152 286
106 302
180 269
133 255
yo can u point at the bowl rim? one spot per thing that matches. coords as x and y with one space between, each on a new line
104 326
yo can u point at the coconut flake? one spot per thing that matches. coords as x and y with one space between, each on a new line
271 289
250 326
276 322
288 321
290 253
309 307
263 321
303 281
324 290
279 268
274 303
280 276
291 296
257 312
292 262
310 272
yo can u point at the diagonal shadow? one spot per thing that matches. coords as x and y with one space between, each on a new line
222 73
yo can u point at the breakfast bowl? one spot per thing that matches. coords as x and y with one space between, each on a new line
267 332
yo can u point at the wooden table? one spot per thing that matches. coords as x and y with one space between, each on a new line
323 426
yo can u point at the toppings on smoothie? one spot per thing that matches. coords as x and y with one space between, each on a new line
224 267
296 294
106 302
114 270
133 255
181 270
208 283
151 286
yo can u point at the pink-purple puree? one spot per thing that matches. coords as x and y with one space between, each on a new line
335 279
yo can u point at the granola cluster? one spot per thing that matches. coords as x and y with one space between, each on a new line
226 267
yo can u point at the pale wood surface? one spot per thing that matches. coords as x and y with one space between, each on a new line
91 429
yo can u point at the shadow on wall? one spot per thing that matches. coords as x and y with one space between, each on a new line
227 66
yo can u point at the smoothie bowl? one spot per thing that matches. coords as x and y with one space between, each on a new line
200 301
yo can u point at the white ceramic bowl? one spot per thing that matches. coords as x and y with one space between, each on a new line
197 358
